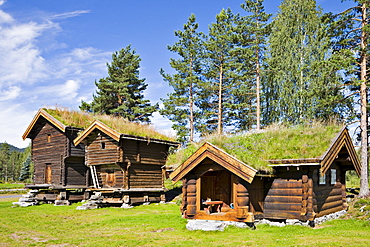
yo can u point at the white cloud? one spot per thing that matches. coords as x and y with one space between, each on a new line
4 17
14 120
11 93
20 58
69 14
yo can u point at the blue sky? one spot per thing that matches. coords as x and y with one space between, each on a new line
51 52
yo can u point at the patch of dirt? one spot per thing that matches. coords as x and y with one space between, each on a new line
39 240
15 236
320 226
60 245
164 229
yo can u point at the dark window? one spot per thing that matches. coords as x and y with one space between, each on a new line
333 176
322 178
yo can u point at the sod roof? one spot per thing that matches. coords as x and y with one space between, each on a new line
83 120
273 143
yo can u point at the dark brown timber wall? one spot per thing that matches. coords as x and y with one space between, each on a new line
284 199
103 150
76 171
145 176
328 197
144 152
49 149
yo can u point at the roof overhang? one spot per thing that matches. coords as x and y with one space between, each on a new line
97 125
43 114
207 150
343 139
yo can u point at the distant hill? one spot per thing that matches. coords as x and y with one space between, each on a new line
14 148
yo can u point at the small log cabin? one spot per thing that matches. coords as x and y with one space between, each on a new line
59 165
125 168
303 176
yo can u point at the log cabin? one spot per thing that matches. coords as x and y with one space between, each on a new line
288 173
59 165
125 168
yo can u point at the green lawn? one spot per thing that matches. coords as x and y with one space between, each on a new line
156 225
4 186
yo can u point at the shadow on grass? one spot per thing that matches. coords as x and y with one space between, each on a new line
173 193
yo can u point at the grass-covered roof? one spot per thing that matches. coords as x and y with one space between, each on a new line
83 120
276 142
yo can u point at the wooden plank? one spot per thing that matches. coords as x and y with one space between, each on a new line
283 206
285 192
281 214
283 199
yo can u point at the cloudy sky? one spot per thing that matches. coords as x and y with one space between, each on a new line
51 52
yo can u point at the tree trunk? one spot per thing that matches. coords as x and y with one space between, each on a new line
364 186
191 105
219 124
258 78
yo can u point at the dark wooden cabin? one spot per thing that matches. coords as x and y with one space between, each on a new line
59 165
125 168
218 186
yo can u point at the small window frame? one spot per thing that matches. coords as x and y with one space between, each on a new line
322 178
333 176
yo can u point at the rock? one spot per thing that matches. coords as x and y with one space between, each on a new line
212 225
61 203
205 225
125 205
88 205
26 199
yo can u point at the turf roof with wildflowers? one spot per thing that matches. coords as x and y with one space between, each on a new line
83 120
275 142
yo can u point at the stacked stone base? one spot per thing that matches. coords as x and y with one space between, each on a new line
28 199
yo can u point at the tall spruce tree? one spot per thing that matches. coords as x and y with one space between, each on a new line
255 30
25 172
179 106
350 30
303 82
225 97
121 93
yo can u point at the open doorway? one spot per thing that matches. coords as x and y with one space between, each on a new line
216 186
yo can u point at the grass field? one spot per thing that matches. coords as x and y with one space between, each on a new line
159 225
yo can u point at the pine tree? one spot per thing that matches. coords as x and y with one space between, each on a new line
303 82
4 161
351 30
255 30
26 169
179 107
225 98
121 93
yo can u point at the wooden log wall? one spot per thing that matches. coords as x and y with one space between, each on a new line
144 152
328 198
259 188
145 176
184 195
103 150
76 172
242 201
284 199
110 176
191 194
49 147
74 151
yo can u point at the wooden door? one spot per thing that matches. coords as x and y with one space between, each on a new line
48 173
110 179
